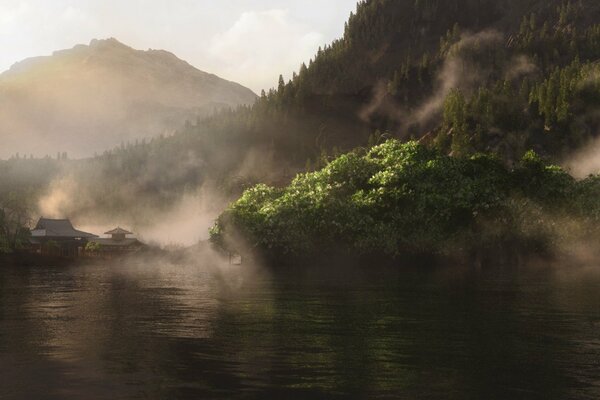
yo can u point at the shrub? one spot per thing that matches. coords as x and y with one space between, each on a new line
406 198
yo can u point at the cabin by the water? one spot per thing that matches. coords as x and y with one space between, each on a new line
58 237
119 242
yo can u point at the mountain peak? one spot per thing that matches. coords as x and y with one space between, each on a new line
109 42
109 91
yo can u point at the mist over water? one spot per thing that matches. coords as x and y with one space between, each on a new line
185 222
193 330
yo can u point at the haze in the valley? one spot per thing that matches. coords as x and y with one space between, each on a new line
94 97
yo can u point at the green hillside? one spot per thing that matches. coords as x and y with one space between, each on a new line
502 77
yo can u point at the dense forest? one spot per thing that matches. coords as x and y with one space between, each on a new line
462 77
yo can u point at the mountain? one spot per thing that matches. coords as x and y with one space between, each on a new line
91 98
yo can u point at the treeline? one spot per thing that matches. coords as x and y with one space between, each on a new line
554 116
15 222
549 108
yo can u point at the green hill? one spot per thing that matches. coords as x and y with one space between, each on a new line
497 76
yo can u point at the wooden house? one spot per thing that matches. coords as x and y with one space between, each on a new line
119 242
58 237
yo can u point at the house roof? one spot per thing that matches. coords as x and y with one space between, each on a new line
118 231
58 228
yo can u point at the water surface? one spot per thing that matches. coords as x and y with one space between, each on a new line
189 332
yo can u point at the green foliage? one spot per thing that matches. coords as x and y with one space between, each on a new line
455 119
406 198
555 95
14 220
92 247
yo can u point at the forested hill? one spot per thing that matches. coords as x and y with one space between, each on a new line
498 76
384 37
518 67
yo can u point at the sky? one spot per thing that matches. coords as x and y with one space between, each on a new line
247 41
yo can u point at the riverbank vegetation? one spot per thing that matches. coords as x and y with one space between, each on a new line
400 199
15 220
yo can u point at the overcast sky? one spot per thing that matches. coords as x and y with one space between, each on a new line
248 41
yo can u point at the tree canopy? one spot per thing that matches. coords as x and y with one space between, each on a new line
405 198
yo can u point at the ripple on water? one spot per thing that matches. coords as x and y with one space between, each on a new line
187 332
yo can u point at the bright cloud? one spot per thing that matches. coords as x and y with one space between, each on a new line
10 16
258 42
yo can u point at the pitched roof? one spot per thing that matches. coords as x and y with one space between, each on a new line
58 228
118 231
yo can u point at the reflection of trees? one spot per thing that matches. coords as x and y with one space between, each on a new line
309 338
388 336
30 313
183 332
101 326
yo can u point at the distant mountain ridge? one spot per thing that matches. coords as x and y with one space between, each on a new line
93 97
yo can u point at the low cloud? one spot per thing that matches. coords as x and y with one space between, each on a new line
585 161
521 66
184 223
458 72
461 69
188 221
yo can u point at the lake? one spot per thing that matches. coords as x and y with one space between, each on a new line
137 331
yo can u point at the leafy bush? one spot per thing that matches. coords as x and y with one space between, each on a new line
407 198
92 247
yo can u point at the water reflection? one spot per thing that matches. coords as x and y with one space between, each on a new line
175 331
